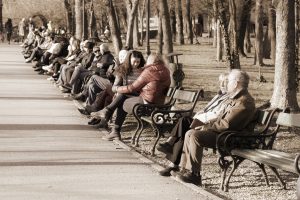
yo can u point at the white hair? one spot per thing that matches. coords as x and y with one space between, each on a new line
122 55
240 76
104 48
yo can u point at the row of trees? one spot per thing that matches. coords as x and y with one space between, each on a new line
233 18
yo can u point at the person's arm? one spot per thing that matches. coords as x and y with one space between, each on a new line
235 118
137 85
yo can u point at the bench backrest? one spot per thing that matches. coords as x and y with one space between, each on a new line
288 119
263 120
170 95
187 96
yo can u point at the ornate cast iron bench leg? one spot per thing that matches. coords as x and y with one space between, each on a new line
224 164
282 183
236 162
262 167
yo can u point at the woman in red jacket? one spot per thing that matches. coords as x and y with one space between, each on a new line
152 86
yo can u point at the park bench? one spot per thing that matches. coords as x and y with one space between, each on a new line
257 147
163 118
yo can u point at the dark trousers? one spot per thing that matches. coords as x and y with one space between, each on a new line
178 132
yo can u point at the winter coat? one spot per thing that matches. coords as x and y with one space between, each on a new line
236 115
153 84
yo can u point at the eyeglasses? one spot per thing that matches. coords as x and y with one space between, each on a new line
97 51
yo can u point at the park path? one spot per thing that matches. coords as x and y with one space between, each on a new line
48 152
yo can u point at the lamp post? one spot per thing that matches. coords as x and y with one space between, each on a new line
148 28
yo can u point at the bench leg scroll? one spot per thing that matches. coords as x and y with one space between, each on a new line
236 162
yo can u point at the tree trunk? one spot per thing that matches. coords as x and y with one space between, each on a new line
188 20
166 27
115 31
245 17
159 35
68 7
219 42
248 44
92 28
136 35
131 13
233 36
142 14
215 26
179 20
285 93
1 17
272 30
259 33
173 24
78 19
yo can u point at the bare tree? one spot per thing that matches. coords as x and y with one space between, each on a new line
166 27
136 35
188 20
70 18
78 19
215 26
259 33
219 41
132 6
285 93
92 26
115 31
230 34
272 30
247 39
179 20
245 19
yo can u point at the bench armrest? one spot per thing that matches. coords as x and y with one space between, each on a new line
233 139
160 117
147 109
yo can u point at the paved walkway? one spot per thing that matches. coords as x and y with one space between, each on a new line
48 152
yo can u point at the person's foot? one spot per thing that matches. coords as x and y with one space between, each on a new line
165 148
28 60
102 124
190 177
105 113
114 135
167 171
94 121
83 111
65 90
79 97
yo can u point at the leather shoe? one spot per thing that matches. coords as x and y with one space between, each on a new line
165 148
94 121
189 177
114 135
167 171
83 111
79 97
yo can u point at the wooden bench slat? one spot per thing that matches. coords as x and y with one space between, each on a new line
269 157
288 119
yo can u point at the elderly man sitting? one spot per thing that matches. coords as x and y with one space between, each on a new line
237 111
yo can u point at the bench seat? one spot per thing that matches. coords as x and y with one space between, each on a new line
277 159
